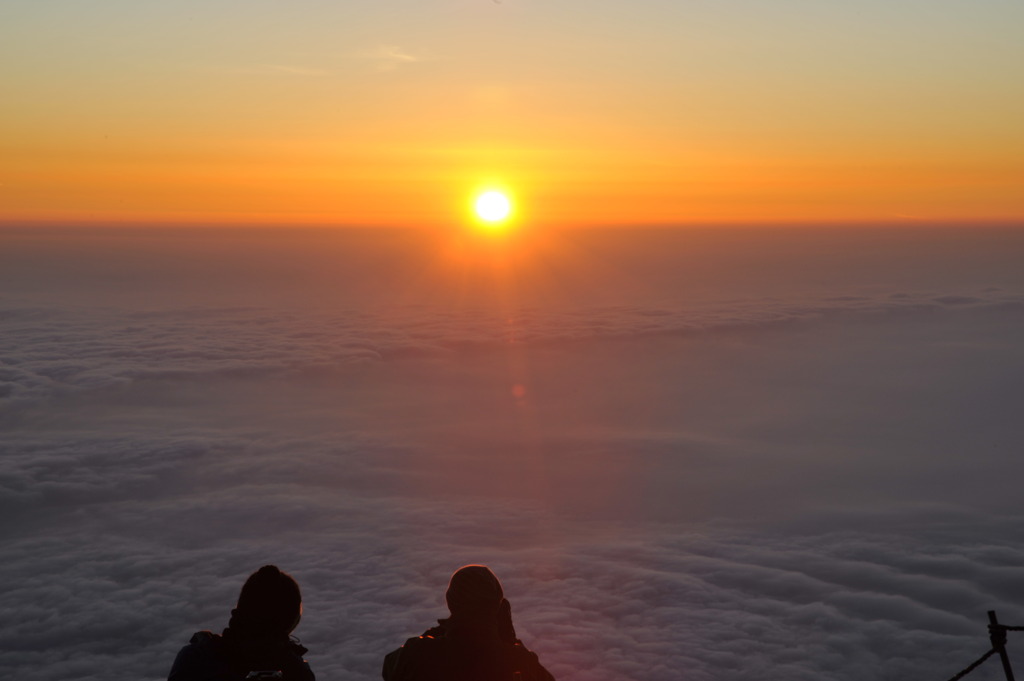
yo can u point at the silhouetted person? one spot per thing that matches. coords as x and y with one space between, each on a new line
476 643
258 637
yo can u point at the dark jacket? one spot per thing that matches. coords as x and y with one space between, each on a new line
212 657
447 653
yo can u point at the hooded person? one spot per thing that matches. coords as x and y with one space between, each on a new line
257 639
476 642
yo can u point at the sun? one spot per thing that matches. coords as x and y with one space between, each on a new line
492 206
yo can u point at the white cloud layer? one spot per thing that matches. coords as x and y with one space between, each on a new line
821 485
50 349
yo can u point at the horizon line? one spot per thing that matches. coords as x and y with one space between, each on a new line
15 225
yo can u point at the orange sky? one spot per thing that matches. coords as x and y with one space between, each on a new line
590 113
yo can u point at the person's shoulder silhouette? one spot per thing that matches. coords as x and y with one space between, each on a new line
477 641
257 642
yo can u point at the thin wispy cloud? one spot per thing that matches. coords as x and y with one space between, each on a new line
389 57
290 70
274 70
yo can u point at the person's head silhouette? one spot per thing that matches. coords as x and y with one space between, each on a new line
270 604
475 598
474 591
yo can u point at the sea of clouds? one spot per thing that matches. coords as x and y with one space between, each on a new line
767 455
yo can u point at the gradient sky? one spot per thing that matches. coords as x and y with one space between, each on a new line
653 111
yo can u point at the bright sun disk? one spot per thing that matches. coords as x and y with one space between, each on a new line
492 206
